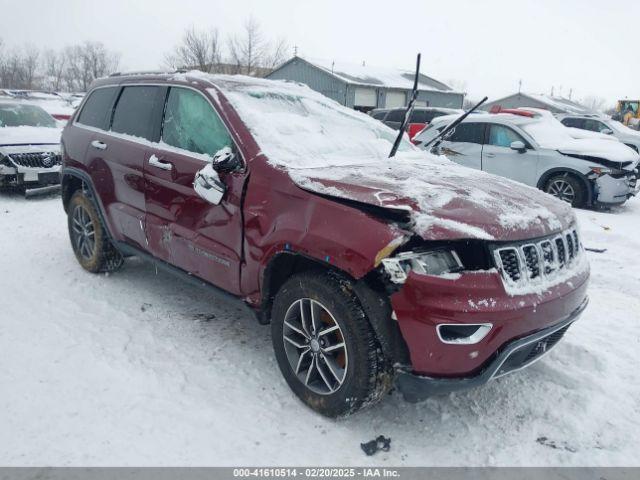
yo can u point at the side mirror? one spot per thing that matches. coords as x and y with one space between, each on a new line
225 160
607 131
208 185
519 146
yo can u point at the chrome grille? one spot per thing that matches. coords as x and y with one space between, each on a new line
531 262
37 160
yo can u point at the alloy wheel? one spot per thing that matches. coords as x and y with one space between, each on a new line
315 346
83 233
563 190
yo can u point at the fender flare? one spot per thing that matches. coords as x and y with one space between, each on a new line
88 186
375 304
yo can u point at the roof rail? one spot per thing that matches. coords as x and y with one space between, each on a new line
148 72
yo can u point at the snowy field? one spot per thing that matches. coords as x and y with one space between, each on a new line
138 368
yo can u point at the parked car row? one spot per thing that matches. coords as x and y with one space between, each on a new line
531 146
373 271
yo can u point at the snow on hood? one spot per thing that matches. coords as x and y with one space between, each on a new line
332 150
444 199
579 133
25 135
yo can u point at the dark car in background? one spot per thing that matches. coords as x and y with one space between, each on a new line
420 117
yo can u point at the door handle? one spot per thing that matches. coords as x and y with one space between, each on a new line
156 162
489 155
99 145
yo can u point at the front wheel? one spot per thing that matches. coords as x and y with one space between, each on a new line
325 347
567 188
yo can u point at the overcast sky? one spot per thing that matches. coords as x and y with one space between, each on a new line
590 46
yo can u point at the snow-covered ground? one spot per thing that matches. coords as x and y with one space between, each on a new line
138 368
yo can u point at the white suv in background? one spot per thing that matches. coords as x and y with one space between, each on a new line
29 148
534 148
605 125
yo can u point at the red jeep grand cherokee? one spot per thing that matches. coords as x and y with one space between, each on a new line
372 271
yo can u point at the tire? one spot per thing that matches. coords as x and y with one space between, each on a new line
91 246
343 379
567 188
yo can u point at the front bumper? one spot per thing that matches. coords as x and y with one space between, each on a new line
513 356
614 190
20 175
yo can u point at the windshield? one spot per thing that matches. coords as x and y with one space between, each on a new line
299 128
15 115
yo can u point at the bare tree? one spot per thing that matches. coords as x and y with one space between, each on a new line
199 49
29 67
84 63
55 64
248 50
277 53
594 103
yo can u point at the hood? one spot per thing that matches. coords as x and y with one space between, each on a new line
594 149
445 201
579 133
29 136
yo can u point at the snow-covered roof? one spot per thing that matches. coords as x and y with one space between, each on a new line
368 75
557 104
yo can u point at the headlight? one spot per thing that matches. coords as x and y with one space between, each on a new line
432 262
599 171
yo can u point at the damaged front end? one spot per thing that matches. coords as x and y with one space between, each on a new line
472 310
612 182
613 185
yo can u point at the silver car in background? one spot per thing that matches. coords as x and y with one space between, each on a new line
600 124
534 148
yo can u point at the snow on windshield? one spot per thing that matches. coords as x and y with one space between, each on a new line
299 128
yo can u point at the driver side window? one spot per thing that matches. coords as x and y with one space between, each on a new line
191 123
595 125
501 136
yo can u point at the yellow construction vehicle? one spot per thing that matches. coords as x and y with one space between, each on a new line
628 112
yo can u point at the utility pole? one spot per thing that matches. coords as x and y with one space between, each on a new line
519 85
295 50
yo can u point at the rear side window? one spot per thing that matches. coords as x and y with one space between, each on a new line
595 125
134 111
378 115
96 110
469 133
191 123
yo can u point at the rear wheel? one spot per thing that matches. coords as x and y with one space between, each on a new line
90 244
567 188
325 347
